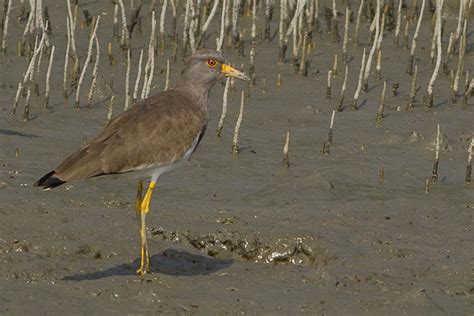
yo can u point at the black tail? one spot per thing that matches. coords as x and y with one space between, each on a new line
49 181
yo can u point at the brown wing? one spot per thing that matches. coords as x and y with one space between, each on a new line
156 132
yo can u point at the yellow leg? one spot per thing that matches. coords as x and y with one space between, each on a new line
144 209
138 201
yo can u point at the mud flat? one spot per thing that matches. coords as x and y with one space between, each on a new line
349 232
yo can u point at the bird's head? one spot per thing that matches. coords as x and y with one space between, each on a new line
207 66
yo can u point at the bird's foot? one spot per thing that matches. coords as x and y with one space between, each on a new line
142 271
144 266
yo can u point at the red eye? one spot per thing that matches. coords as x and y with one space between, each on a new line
211 63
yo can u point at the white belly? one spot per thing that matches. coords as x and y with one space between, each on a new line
155 172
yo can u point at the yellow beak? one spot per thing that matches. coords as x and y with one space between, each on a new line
230 71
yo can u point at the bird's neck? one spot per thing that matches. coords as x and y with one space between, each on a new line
198 91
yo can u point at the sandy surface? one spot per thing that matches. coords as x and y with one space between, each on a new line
359 244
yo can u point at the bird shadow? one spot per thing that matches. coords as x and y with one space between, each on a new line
171 262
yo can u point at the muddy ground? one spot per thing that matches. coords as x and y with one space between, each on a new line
242 234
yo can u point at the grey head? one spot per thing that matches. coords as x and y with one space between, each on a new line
204 68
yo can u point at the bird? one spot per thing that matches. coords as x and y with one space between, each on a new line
151 138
